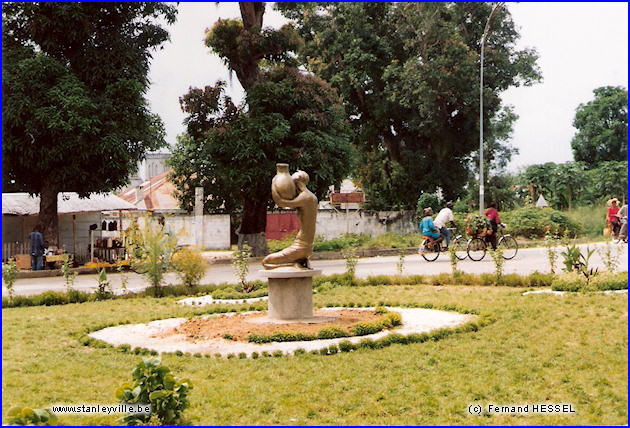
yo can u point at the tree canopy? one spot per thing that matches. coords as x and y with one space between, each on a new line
74 77
602 126
289 116
408 75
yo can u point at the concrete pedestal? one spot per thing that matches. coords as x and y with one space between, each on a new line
290 294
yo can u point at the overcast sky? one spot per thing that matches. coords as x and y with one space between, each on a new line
581 46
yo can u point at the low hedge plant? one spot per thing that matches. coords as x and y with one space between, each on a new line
603 281
388 320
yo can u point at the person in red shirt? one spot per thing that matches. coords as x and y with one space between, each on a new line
612 217
493 215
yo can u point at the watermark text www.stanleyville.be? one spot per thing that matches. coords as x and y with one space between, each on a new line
107 409
521 409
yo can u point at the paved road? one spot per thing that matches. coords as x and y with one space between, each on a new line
527 260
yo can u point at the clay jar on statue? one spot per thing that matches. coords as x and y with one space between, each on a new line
283 182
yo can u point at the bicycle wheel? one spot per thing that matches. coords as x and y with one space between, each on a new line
459 245
509 247
430 252
476 249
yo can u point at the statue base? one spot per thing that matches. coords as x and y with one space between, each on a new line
290 295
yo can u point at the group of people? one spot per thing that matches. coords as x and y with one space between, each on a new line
617 219
437 230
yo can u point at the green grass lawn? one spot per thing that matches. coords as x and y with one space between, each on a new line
541 348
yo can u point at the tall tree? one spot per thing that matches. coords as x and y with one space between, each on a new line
602 126
74 116
289 116
408 74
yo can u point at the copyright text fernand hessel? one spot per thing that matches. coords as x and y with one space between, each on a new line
520 409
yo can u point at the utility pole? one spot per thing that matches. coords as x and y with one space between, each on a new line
486 31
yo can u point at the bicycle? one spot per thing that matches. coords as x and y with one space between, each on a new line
430 250
477 246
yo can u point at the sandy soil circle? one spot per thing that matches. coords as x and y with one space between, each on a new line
151 335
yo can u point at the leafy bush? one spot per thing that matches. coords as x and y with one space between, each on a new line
230 293
241 266
573 281
151 254
9 276
351 258
427 200
103 290
389 320
154 384
67 273
28 416
477 224
532 222
189 266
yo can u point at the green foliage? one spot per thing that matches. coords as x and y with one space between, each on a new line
427 200
532 222
610 256
453 258
575 260
231 151
241 266
189 265
230 293
28 416
388 320
602 126
9 276
67 273
103 289
351 259
573 184
573 281
552 241
477 224
400 264
124 280
152 256
154 384
499 261
413 119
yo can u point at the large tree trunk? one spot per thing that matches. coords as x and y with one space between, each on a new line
48 217
252 229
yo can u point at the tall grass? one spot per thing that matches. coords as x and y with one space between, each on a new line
591 217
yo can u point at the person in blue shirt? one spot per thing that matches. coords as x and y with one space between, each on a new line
37 248
427 228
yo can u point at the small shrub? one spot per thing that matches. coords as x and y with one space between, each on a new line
331 333
255 355
103 290
154 384
346 346
333 349
499 261
67 273
242 355
277 354
190 266
351 258
299 351
610 256
241 266
27 416
231 356
228 336
9 276
400 265
151 253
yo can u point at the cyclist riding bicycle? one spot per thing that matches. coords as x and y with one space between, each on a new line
445 215
427 228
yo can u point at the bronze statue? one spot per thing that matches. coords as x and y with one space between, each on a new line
291 192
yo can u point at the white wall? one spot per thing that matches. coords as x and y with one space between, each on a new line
216 229
332 224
